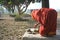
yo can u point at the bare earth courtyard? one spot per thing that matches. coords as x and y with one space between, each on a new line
13 30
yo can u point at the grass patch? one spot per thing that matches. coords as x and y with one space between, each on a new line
20 18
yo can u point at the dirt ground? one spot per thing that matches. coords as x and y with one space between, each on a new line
13 30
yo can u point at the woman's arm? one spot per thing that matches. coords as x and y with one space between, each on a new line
36 25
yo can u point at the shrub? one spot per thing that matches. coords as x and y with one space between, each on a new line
17 17
12 15
20 17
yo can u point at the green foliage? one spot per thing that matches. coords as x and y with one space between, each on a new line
11 4
22 1
17 17
12 15
20 17
1 1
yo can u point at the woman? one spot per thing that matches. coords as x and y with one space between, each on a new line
47 18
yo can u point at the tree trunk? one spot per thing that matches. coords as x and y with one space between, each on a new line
13 8
45 3
19 10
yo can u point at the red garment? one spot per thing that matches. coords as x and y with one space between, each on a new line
48 19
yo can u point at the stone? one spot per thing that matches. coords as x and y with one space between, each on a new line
28 36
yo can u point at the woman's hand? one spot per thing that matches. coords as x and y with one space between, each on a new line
35 25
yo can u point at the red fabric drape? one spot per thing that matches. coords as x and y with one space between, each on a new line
47 17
